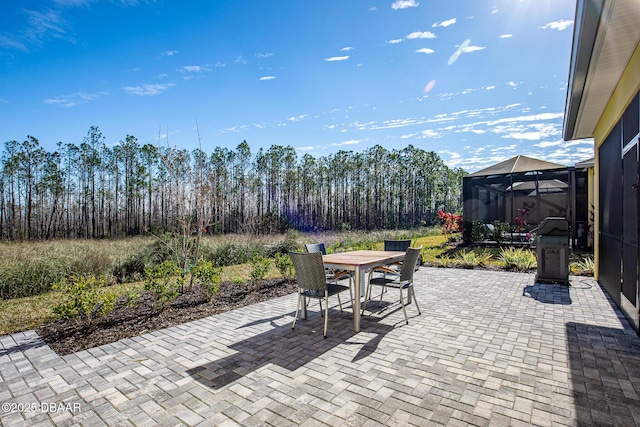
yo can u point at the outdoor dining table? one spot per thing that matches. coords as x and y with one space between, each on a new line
359 262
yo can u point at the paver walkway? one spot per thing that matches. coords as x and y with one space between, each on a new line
490 348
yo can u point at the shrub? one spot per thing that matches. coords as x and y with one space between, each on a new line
479 231
444 262
451 222
584 267
518 258
499 231
164 281
229 254
290 243
259 268
208 276
131 268
84 299
284 265
471 259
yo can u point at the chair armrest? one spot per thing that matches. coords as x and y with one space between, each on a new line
384 269
341 274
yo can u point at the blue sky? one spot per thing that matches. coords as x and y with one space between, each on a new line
475 81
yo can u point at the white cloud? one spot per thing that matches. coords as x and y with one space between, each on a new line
547 144
429 133
421 35
307 148
147 89
445 23
404 4
505 148
240 60
425 50
263 55
395 41
195 68
74 99
346 49
349 142
268 78
298 118
169 53
505 36
220 64
490 87
558 25
337 58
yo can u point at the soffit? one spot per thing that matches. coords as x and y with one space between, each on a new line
617 38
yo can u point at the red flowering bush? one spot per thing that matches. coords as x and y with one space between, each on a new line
451 222
520 222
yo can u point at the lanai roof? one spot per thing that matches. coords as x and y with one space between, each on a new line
518 164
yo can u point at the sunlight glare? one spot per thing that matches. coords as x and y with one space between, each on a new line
459 52
428 87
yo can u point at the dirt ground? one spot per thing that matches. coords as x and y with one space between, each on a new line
69 336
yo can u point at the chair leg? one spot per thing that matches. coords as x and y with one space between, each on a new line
382 291
297 310
326 313
339 302
413 291
320 303
404 310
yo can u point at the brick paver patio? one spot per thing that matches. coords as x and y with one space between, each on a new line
490 348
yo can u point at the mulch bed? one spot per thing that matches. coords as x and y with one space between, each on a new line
69 336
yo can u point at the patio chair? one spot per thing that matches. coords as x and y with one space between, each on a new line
401 281
399 246
312 283
332 275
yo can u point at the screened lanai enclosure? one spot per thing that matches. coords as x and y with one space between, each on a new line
523 191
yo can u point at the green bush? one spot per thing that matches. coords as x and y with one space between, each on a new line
479 231
471 259
583 267
518 258
259 268
499 232
228 254
444 262
208 276
84 299
132 267
290 243
164 280
284 265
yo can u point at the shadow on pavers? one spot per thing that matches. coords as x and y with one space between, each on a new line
289 348
548 293
604 369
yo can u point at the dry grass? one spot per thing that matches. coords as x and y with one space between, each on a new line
58 259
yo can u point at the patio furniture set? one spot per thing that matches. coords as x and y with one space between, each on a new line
318 274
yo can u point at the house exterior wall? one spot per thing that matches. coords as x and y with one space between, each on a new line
616 259
627 88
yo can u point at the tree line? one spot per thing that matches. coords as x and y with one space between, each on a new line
92 190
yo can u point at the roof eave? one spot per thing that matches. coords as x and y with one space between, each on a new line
587 21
